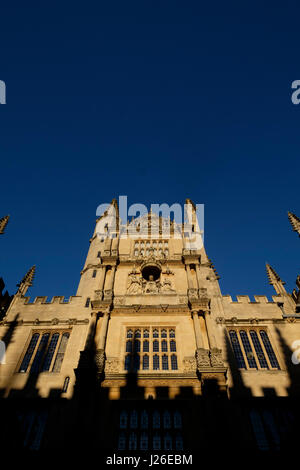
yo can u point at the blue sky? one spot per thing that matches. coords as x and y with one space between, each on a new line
158 101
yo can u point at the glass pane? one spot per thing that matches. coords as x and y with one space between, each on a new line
29 353
237 349
269 349
259 351
248 350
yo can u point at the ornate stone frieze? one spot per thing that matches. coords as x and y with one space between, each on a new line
202 358
112 364
100 359
216 357
189 364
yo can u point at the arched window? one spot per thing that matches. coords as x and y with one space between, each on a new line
136 362
248 350
145 362
174 365
172 333
134 419
87 302
29 352
144 441
164 345
156 420
128 362
40 354
146 345
146 333
129 334
155 362
155 345
165 362
178 442
269 349
258 349
137 333
155 333
94 273
137 345
167 442
258 429
156 441
177 420
144 420
163 333
122 441
50 352
132 441
173 345
237 349
61 352
123 419
129 346
167 420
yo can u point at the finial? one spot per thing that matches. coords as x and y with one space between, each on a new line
3 223
295 222
272 275
27 281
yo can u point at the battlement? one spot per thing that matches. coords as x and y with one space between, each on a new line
57 299
245 299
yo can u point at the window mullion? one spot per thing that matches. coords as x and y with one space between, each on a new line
254 350
265 351
242 349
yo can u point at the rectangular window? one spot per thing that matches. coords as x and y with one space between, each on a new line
45 352
158 343
154 428
252 349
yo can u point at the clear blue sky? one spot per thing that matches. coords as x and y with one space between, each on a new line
157 100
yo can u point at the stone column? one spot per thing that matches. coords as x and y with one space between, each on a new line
209 329
202 354
91 331
102 277
99 291
189 277
110 284
198 275
100 340
215 352
198 335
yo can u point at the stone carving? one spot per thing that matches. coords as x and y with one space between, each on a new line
112 364
134 283
98 294
100 359
192 293
189 364
167 285
216 357
151 286
220 320
202 358
119 301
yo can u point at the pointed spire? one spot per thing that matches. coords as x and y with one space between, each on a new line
275 280
27 281
295 222
3 223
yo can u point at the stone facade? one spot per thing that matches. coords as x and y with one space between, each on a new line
215 359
